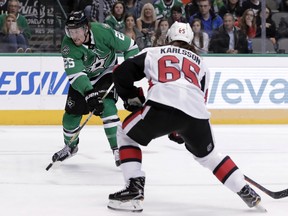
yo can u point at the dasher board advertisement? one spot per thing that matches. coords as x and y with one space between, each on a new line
40 83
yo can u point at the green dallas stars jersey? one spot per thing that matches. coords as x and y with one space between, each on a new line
115 24
162 10
83 62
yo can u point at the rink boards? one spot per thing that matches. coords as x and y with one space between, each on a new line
243 90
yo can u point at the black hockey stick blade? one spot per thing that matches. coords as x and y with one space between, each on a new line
273 194
49 166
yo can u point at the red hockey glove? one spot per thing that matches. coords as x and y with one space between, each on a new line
176 138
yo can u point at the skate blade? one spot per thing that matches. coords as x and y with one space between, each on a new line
260 208
127 205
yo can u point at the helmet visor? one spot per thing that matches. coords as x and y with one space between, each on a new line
75 32
78 35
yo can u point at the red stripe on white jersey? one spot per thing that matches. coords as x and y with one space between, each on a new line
225 169
132 119
130 153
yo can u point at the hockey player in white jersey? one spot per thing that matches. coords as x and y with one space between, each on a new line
176 101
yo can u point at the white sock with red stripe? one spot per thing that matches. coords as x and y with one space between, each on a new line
224 169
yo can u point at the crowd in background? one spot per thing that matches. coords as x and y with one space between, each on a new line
219 26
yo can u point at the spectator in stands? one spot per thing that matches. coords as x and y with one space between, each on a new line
201 38
176 15
247 23
13 8
233 7
101 9
228 38
254 4
133 7
283 6
163 8
270 26
216 5
132 31
282 31
12 40
209 19
147 23
191 8
116 18
161 33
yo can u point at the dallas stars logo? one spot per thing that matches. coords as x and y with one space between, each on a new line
99 63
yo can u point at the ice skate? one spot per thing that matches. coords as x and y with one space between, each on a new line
130 198
64 153
116 156
249 196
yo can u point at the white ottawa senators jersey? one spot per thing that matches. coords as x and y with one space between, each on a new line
178 78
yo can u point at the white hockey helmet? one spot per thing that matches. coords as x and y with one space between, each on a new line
180 32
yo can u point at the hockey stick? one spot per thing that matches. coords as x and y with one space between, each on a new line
84 123
273 194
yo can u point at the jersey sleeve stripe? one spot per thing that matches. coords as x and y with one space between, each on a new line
73 77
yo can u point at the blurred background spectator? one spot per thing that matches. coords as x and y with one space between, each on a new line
254 4
133 7
191 8
132 31
216 5
176 15
209 19
233 7
282 31
161 33
269 25
22 25
201 38
247 23
163 7
45 19
100 9
12 40
147 23
228 38
116 18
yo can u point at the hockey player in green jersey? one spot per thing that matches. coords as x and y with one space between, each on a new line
89 54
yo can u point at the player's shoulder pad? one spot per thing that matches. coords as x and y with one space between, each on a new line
97 25
101 31
67 46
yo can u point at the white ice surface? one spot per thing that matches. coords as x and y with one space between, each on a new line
176 185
